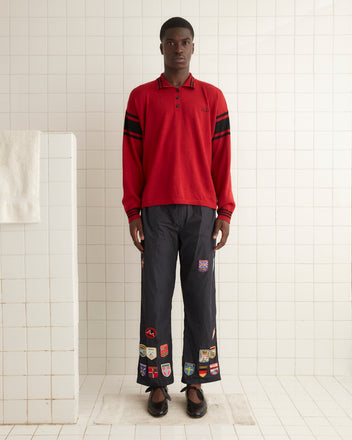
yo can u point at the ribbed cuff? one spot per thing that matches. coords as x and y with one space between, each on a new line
224 214
133 214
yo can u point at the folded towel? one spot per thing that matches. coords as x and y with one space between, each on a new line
19 176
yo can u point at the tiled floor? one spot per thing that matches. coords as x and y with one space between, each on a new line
284 407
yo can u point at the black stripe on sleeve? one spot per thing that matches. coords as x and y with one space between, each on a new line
221 135
225 213
222 125
222 115
132 212
132 116
132 126
126 133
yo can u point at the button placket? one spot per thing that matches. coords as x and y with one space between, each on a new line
178 98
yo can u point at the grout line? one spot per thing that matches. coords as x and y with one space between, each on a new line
294 194
317 405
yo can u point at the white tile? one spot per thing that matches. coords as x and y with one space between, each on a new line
39 387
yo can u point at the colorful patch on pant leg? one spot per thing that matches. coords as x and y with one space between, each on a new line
142 350
212 352
213 335
150 332
203 265
151 353
203 355
189 368
203 370
164 351
214 369
153 372
142 369
166 369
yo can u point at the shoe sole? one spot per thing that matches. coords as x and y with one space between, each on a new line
158 415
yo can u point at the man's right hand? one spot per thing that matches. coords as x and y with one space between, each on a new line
136 227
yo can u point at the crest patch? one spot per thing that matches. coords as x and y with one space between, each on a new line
153 372
142 350
164 351
150 332
166 369
203 355
189 368
214 369
151 353
203 369
142 369
212 352
203 265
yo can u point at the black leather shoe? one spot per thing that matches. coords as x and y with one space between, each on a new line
158 409
195 409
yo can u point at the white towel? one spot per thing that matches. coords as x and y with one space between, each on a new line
19 176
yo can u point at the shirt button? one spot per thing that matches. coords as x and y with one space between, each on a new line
177 97
177 105
177 90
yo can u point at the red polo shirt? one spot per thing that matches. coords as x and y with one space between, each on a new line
176 147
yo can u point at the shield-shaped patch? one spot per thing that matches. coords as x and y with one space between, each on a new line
189 368
166 369
164 351
203 355
214 368
203 369
142 350
153 371
142 369
203 265
151 353
212 352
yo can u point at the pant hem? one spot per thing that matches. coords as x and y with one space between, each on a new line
198 380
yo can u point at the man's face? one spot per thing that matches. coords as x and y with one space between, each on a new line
177 47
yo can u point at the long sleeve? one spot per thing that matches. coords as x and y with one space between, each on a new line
133 179
221 161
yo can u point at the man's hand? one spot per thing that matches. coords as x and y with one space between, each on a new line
136 227
224 227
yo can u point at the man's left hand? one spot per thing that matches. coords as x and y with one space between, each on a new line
224 227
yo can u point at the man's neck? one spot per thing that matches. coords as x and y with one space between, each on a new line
176 78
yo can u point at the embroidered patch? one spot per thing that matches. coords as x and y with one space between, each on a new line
142 369
164 351
213 335
203 355
151 353
214 369
189 368
203 370
150 332
203 265
166 369
212 352
153 372
142 350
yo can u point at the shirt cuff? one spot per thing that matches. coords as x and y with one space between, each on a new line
224 214
132 214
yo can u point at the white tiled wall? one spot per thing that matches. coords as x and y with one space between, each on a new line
39 298
284 299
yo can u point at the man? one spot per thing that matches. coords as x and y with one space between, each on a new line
176 173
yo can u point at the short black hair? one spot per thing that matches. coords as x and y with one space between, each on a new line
173 23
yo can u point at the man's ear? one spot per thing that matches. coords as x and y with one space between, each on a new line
161 48
192 48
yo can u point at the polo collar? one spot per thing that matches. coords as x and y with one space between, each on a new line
162 83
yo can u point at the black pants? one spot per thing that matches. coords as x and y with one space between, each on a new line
169 230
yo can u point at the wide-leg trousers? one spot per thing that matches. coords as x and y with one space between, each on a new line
170 230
